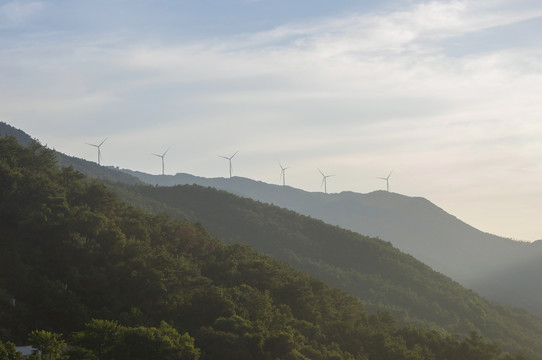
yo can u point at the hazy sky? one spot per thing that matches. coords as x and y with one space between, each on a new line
447 94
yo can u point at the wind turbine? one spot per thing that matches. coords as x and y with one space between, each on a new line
98 147
324 180
283 174
229 159
162 156
387 178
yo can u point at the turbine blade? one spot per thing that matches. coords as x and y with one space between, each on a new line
165 152
321 172
92 144
102 142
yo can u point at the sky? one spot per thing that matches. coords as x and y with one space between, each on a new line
446 94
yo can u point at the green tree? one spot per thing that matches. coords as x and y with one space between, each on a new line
100 337
149 343
476 348
8 351
49 345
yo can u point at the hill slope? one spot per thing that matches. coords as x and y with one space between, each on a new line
381 290
414 225
71 251
380 275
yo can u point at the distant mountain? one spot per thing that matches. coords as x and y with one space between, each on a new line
414 225
93 170
373 270
519 284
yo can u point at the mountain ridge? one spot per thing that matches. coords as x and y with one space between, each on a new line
377 204
413 224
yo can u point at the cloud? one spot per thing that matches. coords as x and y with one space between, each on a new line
16 13
395 30
376 66
347 72
356 95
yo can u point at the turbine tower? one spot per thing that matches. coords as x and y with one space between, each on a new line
283 174
387 178
98 147
229 159
324 180
162 156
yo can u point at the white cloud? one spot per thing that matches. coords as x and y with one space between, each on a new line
358 95
16 13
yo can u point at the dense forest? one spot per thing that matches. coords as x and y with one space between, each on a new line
371 269
84 276
501 269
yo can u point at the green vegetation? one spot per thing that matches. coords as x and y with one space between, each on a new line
124 284
102 339
374 271
8 351
48 346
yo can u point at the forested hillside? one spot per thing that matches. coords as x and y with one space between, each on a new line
72 252
475 259
371 269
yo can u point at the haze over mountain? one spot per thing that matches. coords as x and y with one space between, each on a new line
414 225
380 275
